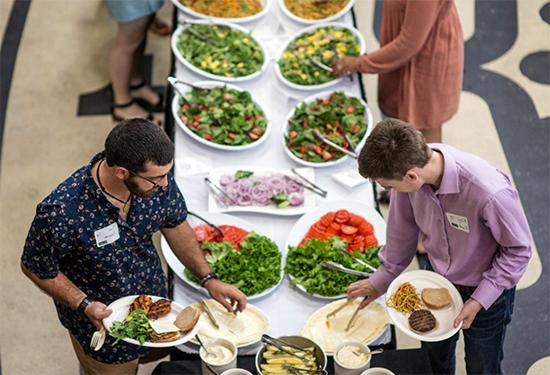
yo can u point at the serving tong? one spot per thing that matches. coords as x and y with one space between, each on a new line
358 261
319 136
216 190
338 267
216 228
310 185
300 371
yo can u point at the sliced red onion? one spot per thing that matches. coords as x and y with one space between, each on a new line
296 199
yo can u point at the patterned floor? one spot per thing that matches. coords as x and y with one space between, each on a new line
61 52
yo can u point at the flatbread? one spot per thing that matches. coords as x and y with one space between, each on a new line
369 324
243 329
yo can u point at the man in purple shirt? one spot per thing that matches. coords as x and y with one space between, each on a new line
475 234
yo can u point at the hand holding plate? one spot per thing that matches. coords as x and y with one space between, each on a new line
96 312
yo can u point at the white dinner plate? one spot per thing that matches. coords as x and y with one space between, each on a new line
266 5
244 328
197 70
208 85
121 309
445 317
309 29
216 219
300 229
359 146
309 196
301 20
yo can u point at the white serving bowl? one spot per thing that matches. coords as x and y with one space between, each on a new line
255 17
323 95
335 81
295 18
208 85
197 70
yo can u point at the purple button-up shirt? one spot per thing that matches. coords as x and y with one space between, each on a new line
476 233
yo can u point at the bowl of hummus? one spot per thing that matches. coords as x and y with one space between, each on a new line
351 358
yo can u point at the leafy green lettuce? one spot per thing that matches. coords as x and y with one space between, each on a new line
253 269
303 264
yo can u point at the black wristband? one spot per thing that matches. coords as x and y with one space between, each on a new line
82 306
209 276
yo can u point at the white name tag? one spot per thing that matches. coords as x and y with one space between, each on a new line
458 222
107 235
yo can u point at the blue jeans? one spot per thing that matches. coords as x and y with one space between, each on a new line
483 341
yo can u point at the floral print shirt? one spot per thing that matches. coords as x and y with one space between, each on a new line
62 238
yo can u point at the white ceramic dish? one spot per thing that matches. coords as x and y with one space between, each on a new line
445 317
121 309
301 20
309 197
300 229
208 85
190 12
322 95
194 69
307 30
216 219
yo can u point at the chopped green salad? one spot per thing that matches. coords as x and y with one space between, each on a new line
324 45
220 50
223 115
136 326
332 116
302 264
253 269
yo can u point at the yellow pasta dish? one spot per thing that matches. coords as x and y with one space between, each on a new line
315 9
225 8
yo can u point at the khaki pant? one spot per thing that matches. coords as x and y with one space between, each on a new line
93 367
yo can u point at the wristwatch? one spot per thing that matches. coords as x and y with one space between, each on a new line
209 276
82 306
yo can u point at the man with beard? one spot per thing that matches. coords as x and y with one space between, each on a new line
91 240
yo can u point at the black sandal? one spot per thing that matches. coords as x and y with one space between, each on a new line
117 118
151 107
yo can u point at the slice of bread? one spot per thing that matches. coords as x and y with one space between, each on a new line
187 319
436 298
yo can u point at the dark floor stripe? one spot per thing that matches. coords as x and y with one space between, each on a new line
8 55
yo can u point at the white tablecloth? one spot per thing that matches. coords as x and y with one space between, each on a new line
286 308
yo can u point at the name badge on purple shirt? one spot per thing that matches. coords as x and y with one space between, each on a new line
458 222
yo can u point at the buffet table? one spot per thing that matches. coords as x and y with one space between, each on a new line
286 308
401 362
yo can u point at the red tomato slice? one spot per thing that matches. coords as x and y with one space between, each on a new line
342 216
327 218
201 232
348 229
336 227
371 241
355 220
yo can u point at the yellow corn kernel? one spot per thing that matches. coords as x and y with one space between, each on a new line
237 42
204 64
240 65
328 54
303 77
316 74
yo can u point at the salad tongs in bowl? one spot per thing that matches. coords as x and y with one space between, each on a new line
319 136
216 228
338 267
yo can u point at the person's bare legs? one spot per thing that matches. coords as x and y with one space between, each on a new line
432 135
129 37
145 92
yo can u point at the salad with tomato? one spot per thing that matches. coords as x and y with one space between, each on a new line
248 260
354 229
223 115
334 116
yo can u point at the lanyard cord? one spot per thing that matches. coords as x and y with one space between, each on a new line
109 194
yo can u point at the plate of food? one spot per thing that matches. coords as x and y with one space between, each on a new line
424 305
241 257
221 116
271 360
328 329
340 118
236 11
151 321
262 190
304 62
346 233
244 328
220 51
315 11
